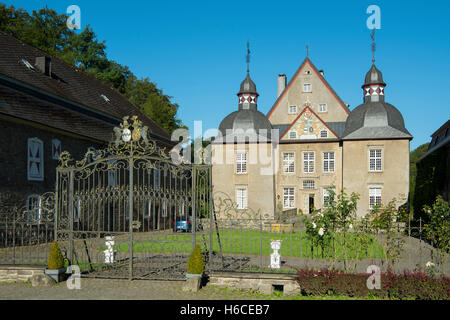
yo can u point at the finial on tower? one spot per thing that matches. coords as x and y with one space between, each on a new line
248 57
307 51
373 45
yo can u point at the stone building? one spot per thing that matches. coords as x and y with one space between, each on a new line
433 172
310 141
46 107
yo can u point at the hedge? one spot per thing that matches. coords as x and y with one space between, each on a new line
409 285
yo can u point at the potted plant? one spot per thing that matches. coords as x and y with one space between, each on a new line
55 268
195 265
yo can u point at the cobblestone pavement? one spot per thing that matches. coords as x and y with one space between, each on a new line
111 289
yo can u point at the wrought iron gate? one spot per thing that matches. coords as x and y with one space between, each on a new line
118 209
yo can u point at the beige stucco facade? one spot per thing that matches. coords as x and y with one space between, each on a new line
317 156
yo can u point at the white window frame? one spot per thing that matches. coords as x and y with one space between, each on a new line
241 197
292 109
325 195
309 162
375 197
112 174
309 184
324 109
164 208
35 147
34 211
241 162
375 160
288 162
328 162
77 209
324 135
156 178
304 87
56 144
288 197
292 134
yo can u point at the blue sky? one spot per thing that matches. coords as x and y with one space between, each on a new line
195 50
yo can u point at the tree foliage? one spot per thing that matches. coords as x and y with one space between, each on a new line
46 30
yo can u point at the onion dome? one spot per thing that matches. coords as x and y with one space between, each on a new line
247 123
375 119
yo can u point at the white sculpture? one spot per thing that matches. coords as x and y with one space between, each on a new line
275 257
110 253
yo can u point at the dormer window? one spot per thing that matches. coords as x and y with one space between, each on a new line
292 109
105 98
27 64
323 133
322 107
307 87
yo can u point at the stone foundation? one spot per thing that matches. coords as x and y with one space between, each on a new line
264 283
19 273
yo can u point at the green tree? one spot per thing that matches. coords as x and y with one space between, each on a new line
414 156
46 30
438 229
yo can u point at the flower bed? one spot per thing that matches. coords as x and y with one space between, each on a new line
409 285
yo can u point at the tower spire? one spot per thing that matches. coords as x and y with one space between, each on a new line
248 57
373 45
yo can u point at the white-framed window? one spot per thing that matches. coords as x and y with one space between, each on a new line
77 211
92 155
375 162
326 197
56 149
156 178
323 133
147 209
241 162
323 107
164 208
181 212
308 126
288 197
241 197
308 162
328 162
35 160
34 208
292 110
288 162
308 184
292 134
374 197
307 87
112 173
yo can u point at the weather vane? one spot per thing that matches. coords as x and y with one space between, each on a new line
307 51
373 45
248 57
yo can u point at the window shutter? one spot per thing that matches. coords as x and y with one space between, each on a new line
35 161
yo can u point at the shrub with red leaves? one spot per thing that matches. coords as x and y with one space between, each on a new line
416 285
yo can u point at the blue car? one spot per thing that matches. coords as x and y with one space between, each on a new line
182 223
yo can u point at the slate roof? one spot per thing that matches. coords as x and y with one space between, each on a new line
440 138
246 119
70 100
375 120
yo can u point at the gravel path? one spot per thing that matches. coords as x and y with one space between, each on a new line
111 289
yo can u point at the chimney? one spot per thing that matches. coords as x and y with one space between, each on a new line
281 84
44 65
321 72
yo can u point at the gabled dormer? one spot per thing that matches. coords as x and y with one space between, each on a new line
307 86
308 126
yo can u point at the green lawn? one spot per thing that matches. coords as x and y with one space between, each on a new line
252 242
